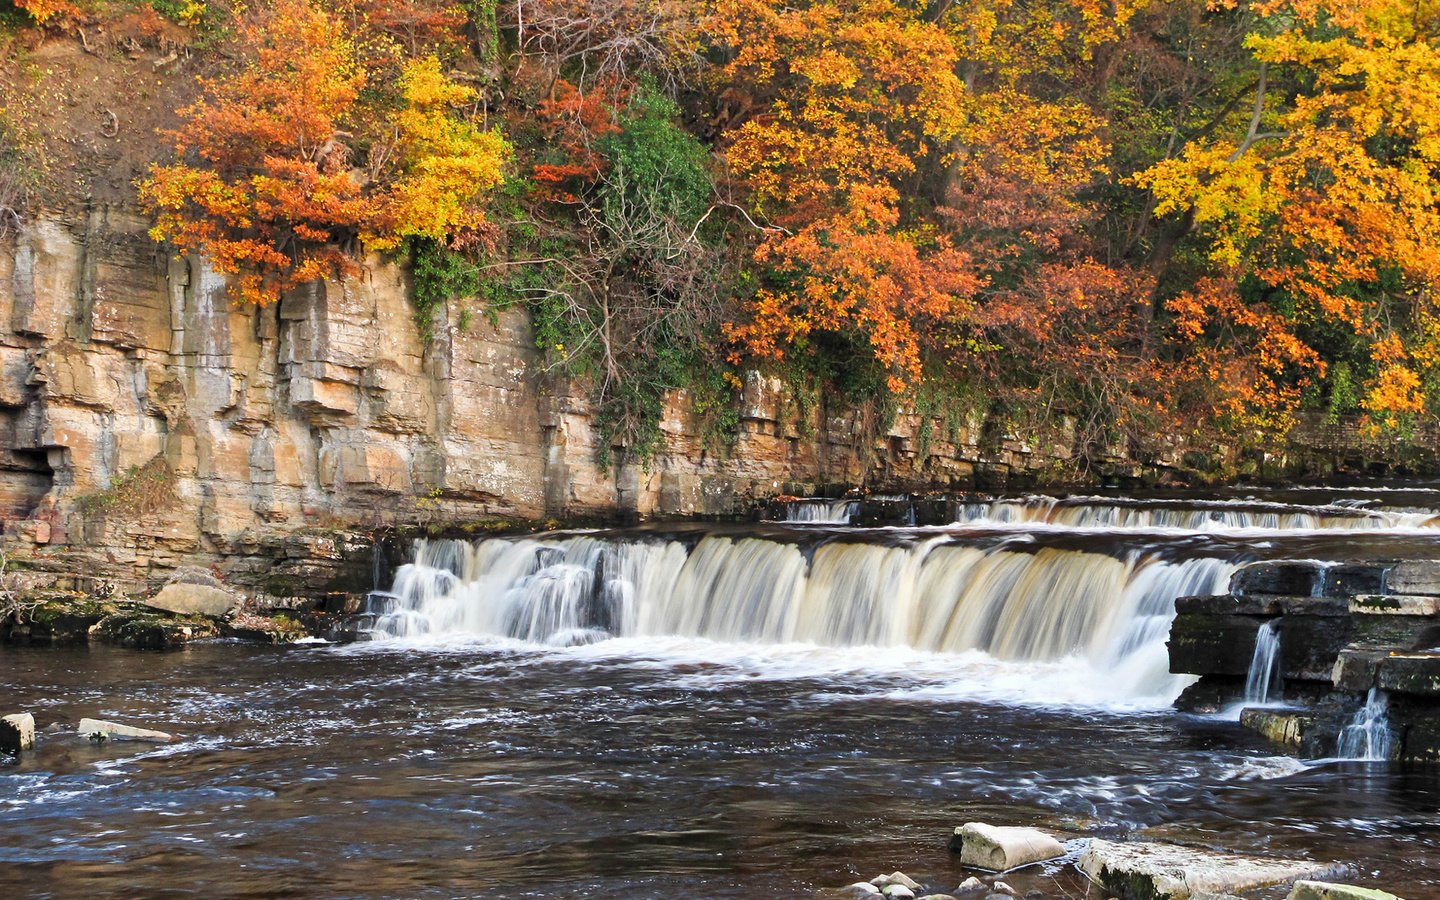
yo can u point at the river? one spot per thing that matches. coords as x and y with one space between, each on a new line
739 737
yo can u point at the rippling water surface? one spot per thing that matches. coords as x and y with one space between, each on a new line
632 768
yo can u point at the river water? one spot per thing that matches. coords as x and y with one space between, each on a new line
545 718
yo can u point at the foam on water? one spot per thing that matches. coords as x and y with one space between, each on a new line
1052 627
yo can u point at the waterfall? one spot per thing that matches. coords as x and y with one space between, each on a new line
821 512
1264 678
1189 515
936 596
1367 737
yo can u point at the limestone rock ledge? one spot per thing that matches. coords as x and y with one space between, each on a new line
145 415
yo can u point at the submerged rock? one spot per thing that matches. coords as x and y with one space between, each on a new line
971 885
1145 871
898 892
17 733
1002 848
98 729
1320 890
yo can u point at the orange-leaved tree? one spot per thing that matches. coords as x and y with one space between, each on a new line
268 185
851 99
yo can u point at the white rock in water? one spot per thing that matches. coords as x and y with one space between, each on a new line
194 600
1001 887
902 878
1001 848
863 889
116 732
17 733
1171 872
939 897
898 892
1320 890
971 885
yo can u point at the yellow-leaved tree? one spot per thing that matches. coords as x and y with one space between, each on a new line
1321 210
283 167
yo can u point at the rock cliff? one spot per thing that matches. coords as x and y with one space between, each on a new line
150 423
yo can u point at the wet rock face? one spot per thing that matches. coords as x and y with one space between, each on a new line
1359 627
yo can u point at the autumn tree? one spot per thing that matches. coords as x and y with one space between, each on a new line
1317 210
847 100
272 183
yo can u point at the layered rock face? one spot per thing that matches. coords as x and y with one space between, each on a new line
143 413
1349 634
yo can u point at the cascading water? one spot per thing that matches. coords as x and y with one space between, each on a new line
1264 681
1367 737
1189 515
935 596
821 512
1080 590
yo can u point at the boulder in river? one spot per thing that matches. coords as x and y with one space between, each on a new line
98 729
190 599
971 885
17 733
884 881
1320 890
1154 871
999 848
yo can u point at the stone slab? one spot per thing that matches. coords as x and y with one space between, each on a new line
93 728
194 600
1394 605
1320 890
1414 576
1410 673
1155 871
1285 727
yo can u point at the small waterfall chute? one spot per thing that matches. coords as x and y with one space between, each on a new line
1368 737
1263 681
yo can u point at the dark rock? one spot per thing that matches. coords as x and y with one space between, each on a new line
1212 644
1417 674
1350 579
1296 579
1229 604
1311 641
141 629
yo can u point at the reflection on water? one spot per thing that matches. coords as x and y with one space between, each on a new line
625 769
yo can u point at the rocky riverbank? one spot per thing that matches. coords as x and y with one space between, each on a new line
1354 668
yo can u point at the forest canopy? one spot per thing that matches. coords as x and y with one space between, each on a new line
1199 217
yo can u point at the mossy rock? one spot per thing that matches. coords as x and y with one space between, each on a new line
55 617
142 629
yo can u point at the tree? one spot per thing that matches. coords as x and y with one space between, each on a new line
849 99
1320 212
267 184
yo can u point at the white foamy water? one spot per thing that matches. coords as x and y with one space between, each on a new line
1053 626
1187 515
